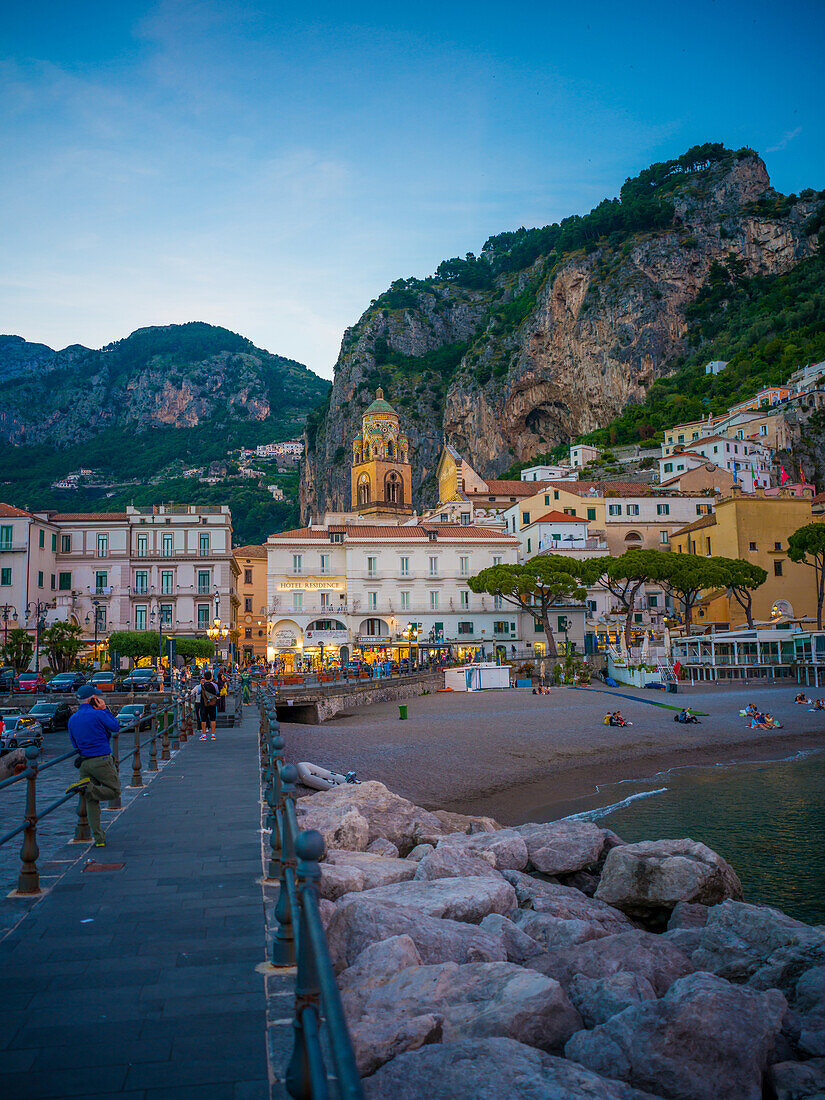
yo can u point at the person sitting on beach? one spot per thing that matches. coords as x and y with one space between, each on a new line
758 722
771 722
801 698
684 715
751 711
819 704
618 720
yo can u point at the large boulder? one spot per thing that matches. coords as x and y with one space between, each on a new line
419 851
505 847
705 1039
381 847
376 870
647 880
490 1069
565 902
809 1001
633 952
562 847
455 863
558 932
520 947
597 999
341 826
475 1000
461 899
466 823
759 945
375 965
339 880
798 1080
388 816
360 920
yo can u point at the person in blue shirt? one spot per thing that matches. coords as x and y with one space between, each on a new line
90 728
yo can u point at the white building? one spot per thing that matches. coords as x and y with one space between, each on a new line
582 453
547 473
750 463
715 366
555 532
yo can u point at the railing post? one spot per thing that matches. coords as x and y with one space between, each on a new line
115 803
82 832
28 881
176 724
137 778
304 1069
189 728
164 718
283 943
275 801
153 749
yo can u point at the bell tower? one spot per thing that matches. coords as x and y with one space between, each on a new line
381 472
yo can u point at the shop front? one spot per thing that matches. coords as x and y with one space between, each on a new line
323 640
286 648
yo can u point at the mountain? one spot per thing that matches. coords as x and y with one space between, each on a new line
551 333
141 412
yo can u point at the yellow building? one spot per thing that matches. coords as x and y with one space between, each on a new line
755 527
252 616
381 473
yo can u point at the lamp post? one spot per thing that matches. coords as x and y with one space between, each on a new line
96 605
39 623
159 615
217 631
9 612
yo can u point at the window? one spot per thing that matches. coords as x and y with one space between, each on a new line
141 582
614 509
297 601
443 517
5 577
777 568
662 509
64 582
65 544
102 546
707 546
592 606
664 537
52 578
203 616
168 543
40 578
142 546
547 498
538 626
637 618
555 494
405 601
501 627
6 537
326 600
167 582
101 618
763 429
681 439
324 565
668 467
570 511
433 601
42 539
464 600
204 582
297 563
101 580
633 509
372 601
165 614
405 567
498 603
372 566
247 574
140 618
591 513
702 509
496 559
433 566
529 547
525 518
564 623
465 519
464 566
247 632
247 604
203 544
54 543
777 546
752 546
438 629
465 628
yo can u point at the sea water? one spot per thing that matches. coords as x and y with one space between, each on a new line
766 819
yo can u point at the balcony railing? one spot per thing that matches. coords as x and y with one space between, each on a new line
12 546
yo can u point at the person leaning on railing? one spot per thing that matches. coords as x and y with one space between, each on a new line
90 728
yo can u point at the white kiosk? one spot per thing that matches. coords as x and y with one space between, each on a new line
478 677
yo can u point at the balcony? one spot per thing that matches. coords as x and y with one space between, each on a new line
12 547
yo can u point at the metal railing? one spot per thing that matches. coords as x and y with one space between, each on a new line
299 939
171 726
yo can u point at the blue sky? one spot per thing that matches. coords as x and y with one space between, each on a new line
272 167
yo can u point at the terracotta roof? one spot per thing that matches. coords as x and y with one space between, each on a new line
63 517
582 488
558 517
250 551
818 498
8 511
512 488
697 525
391 532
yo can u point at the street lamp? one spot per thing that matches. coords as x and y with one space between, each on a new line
159 615
217 631
9 612
96 604
39 623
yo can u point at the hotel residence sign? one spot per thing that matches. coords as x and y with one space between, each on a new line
308 586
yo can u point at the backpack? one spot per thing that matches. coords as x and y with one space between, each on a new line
209 693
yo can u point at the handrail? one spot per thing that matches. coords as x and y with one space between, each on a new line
299 939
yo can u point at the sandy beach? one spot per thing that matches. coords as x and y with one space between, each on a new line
506 753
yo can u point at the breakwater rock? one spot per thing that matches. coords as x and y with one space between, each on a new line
555 961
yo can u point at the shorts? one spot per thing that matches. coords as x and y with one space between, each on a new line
208 714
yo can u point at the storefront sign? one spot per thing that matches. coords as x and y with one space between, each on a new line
325 637
310 586
284 639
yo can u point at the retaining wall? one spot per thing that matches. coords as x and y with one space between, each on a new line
311 709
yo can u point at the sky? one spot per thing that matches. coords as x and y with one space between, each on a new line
272 167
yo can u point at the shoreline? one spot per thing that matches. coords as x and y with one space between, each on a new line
558 793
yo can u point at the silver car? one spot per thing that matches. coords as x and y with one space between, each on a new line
20 731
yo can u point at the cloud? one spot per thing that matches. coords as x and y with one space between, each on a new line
786 139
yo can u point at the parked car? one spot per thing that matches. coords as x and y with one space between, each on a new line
65 682
20 732
52 716
103 681
141 679
7 678
132 713
30 681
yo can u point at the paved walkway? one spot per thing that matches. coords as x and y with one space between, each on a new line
140 982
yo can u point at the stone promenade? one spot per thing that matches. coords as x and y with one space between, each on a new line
140 980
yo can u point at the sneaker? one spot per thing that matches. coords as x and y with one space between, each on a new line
214 738
78 785
100 844
203 737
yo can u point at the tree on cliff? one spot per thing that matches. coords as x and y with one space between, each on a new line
741 578
807 546
535 587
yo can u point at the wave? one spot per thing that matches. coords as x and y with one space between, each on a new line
605 811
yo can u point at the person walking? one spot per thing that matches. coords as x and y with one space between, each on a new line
208 705
90 728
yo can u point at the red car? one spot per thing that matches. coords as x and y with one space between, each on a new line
30 681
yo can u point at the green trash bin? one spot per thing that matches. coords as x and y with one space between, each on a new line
402 711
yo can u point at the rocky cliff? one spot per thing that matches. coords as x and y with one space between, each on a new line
551 333
179 376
